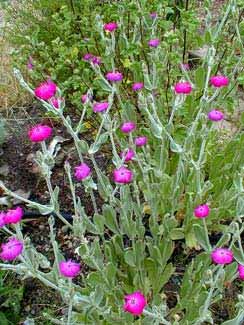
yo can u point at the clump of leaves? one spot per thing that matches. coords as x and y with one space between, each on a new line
10 299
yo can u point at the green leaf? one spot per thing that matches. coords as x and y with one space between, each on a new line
200 77
83 146
139 251
202 237
130 258
90 226
164 277
177 233
96 145
2 132
191 240
97 253
156 129
238 320
117 241
110 218
208 37
151 268
224 240
99 223
230 271
175 147
110 271
104 186
237 254
97 295
43 209
3 319
156 255
94 278
166 248
100 83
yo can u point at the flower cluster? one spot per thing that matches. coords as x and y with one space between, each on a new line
114 76
219 255
11 216
88 57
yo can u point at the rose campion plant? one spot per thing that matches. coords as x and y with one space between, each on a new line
165 158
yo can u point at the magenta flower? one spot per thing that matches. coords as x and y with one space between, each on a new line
30 64
39 133
114 76
87 57
135 303
185 66
201 211
222 256
127 154
128 127
96 60
100 107
82 171
110 27
215 115
219 81
46 90
84 98
14 215
122 175
183 88
153 15
140 141
154 42
137 86
241 271
69 269
11 249
56 102
2 221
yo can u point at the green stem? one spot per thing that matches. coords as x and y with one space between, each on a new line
222 21
54 201
206 234
7 231
81 120
70 302
20 198
93 201
74 136
211 291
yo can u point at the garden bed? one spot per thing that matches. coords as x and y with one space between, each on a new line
145 233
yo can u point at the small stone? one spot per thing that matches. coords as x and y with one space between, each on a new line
27 308
199 53
4 170
70 245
